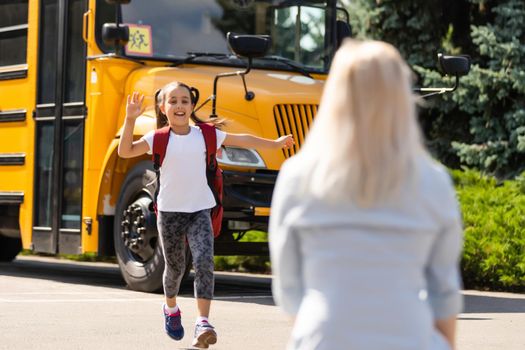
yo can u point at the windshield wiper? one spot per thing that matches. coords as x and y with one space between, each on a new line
296 66
193 55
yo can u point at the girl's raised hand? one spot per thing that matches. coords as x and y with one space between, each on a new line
134 105
286 141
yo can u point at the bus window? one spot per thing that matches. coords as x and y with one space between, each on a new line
178 27
13 32
298 34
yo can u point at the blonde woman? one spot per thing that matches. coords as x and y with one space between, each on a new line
365 232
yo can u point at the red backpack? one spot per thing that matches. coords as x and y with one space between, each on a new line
213 172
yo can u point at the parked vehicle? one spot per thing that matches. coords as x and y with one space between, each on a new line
65 72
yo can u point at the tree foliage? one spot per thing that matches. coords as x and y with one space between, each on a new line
482 124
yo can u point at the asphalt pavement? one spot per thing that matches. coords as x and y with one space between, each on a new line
47 303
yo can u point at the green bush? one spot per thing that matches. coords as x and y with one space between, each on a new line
494 221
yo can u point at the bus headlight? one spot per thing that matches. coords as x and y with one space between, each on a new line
240 157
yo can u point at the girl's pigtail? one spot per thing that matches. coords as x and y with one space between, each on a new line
218 123
162 120
194 93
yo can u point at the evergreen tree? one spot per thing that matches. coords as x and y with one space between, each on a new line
496 100
482 124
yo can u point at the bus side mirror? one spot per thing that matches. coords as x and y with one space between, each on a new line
244 45
115 35
250 46
454 65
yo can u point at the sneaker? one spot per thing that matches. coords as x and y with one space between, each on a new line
204 335
173 325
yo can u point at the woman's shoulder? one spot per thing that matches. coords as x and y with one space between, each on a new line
290 175
434 172
436 186
293 179
293 168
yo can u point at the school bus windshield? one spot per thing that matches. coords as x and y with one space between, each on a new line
170 30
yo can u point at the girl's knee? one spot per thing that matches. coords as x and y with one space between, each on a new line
203 262
175 269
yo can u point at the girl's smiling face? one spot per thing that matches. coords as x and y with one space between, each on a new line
177 106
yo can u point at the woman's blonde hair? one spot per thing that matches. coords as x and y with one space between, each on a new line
365 137
162 119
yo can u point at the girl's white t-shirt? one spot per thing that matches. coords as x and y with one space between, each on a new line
183 184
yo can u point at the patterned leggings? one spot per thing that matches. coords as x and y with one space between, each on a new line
196 227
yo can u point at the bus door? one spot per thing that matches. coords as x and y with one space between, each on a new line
59 123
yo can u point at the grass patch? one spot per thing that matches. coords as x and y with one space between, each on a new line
85 257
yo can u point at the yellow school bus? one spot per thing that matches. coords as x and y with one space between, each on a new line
66 67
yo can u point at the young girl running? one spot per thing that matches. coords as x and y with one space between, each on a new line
185 199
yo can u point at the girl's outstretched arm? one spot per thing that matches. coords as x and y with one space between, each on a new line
250 141
128 148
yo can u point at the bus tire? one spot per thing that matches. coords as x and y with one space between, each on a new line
137 245
9 248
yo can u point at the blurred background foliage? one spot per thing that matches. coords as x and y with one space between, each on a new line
482 124
480 128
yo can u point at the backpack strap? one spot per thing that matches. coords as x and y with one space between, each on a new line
210 140
160 144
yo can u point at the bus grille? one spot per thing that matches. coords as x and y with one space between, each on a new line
294 119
